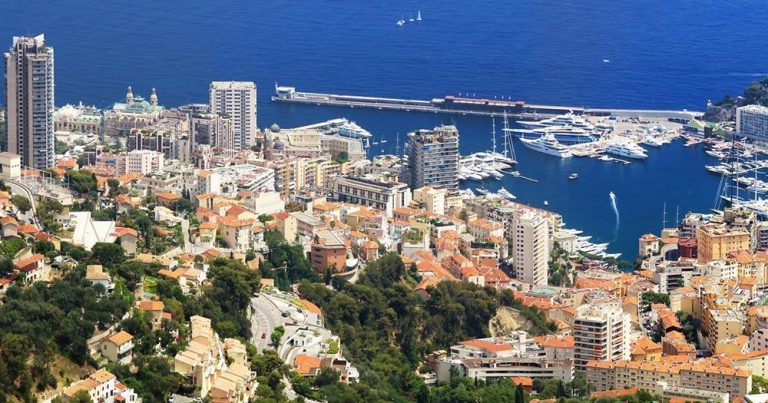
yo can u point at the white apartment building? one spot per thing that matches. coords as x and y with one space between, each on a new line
433 200
385 196
601 332
237 100
433 158
530 247
752 122
140 161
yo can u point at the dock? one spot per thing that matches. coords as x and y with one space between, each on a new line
468 106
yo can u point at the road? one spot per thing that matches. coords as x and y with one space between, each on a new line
265 317
185 234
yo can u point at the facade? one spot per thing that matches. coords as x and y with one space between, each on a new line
101 386
707 375
431 199
151 140
29 95
118 348
433 158
134 113
139 161
721 324
10 165
715 241
329 251
601 332
236 100
77 118
752 122
385 196
530 247
212 129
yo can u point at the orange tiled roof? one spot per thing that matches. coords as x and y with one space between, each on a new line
25 263
305 364
148 305
120 338
121 231
555 341
28 229
487 345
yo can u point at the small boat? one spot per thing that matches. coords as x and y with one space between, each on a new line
573 176
546 203
383 141
482 191
411 19
606 60
418 16
400 22
604 158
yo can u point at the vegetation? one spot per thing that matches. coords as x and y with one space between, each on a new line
689 325
82 181
21 203
387 329
285 262
650 297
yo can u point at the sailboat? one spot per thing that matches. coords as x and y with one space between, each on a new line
418 16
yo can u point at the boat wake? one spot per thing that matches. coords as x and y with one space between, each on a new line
616 212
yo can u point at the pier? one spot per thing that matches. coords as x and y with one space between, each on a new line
468 106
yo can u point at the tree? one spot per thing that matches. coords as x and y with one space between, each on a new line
82 181
21 203
519 396
277 334
182 205
81 397
108 254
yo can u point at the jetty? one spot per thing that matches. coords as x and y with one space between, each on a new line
459 105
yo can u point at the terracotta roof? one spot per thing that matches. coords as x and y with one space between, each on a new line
311 307
487 345
42 236
305 364
427 282
615 393
24 264
228 221
120 338
167 196
8 220
208 225
555 341
121 231
28 229
147 305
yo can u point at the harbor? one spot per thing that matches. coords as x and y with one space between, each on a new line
469 105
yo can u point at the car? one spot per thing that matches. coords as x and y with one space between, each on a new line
284 314
263 335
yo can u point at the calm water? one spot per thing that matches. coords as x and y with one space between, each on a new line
663 55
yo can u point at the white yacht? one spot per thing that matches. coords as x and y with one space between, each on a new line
652 141
564 134
568 119
548 144
625 148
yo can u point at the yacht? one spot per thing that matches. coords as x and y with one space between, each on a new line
548 144
568 119
566 133
626 148
652 141
573 176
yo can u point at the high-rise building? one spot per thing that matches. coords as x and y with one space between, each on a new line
530 247
213 130
237 100
601 333
29 95
752 122
433 158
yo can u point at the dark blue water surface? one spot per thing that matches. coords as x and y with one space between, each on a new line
664 54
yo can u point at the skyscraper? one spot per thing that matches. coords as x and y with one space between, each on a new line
433 158
29 89
237 100
601 332
530 247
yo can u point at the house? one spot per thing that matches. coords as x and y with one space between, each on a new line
207 231
102 386
118 348
95 274
33 267
127 238
313 313
235 232
329 251
286 225
10 227
165 199
306 365
370 250
154 309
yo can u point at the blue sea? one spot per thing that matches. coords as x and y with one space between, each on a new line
663 54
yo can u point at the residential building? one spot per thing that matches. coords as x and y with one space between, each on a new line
143 162
530 247
212 129
235 232
33 267
236 100
152 140
601 332
102 386
10 165
431 199
433 158
706 374
118 348
720 324
287 225
29 97
716 240
752 122
385 196
329 251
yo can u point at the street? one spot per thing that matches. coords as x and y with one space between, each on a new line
264 318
